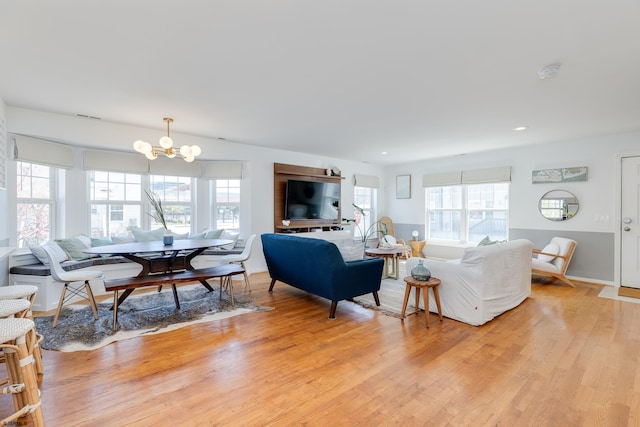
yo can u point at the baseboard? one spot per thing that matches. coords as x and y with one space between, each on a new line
624 291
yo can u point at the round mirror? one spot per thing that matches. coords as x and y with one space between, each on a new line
558 205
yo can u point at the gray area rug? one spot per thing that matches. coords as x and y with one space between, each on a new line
391 295
140 314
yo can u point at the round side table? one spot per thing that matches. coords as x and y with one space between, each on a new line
423 285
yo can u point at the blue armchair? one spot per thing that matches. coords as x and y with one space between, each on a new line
316 266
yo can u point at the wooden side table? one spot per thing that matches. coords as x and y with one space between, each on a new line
432 283
416 247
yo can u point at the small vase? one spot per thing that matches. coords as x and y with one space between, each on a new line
167 239
420 272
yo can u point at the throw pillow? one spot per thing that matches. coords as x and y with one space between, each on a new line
213 234
39 253
102 241
74 247
353 252
229 236
84 239
123 239
487 242
147 236
551 248
181 236
197 236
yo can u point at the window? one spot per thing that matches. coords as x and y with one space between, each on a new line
175 192
115 200
227 204
366 199
468 213
35 191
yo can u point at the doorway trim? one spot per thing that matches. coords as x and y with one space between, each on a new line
617 271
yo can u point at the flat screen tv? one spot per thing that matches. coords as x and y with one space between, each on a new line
312 200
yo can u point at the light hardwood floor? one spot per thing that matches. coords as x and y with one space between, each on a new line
563 358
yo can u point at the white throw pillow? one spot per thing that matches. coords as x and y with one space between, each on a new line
229 236
551 248
39 253
353 252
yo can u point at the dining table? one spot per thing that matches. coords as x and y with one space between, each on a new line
159 260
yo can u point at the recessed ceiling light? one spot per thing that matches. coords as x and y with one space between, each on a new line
384 153
519 128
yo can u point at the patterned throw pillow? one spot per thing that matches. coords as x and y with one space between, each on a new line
39 253
74 247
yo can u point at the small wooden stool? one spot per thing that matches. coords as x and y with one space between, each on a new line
432 283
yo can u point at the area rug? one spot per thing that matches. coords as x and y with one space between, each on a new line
143 314
391 295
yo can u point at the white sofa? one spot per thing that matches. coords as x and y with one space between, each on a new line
484 283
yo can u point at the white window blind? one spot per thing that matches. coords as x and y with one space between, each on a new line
222 170
368 181
110 161
477 176
174 167
42 152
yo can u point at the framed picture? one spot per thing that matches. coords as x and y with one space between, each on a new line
403 187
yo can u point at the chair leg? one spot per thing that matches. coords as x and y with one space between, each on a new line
55 318
247 284
92 301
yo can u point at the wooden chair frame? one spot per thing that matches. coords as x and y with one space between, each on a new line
565 264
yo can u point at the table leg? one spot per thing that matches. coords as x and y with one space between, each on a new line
406 300
425 296
436 296
417 300
115 310
396 267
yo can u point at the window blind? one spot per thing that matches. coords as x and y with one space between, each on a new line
476 176
35 150
110 161
222 170
369 181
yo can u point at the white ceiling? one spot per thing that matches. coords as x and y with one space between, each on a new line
341 78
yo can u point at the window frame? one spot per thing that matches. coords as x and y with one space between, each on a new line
465 211
370 208
51 201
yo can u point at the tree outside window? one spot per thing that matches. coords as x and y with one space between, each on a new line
34 192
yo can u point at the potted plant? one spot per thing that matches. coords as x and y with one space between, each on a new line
372 230
158 215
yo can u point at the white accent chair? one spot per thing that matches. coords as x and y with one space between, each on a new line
553 260
69 277
241 258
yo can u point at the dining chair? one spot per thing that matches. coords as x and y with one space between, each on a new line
241 258
82 290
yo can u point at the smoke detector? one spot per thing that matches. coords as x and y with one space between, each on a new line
548 71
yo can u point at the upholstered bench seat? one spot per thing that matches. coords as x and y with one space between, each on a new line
25 269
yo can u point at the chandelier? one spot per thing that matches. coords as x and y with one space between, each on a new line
188 152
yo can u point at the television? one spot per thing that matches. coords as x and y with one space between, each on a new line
312 200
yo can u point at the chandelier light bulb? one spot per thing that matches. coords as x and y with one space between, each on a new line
195 150
138 146
185 150
152 155
166 142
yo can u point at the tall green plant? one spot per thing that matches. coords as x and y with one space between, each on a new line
370 232
158 210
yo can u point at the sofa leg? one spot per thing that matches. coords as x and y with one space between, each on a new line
375 297
332 311
273 282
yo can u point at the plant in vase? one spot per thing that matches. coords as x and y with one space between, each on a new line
371 231
158 215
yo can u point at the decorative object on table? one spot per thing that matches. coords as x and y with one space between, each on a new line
286 222
159 215
420 272
188 152
575 174
142 314
403 187
415 234
335 171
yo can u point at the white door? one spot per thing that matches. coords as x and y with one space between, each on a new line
630 232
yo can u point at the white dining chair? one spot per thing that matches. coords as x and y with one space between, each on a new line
68 278
241 258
